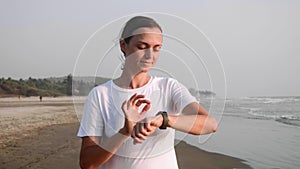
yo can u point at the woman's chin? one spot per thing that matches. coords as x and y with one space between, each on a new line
146 69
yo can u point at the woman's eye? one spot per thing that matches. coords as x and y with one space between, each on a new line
156 49
141 47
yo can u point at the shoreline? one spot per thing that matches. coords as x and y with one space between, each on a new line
43 135
57 146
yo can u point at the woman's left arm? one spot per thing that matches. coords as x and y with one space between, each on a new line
194 120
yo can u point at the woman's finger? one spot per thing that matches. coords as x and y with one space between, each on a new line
141 101
132 97
143 129
136 98
137 141
139 137
145 109
139 130
148 127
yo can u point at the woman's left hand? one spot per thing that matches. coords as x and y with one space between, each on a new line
145 128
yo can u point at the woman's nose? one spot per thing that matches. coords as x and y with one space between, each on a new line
148 53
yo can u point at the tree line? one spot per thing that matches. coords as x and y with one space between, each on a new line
60 86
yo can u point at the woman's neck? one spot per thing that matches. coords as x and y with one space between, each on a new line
132 81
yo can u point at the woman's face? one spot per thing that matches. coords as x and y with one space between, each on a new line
143 49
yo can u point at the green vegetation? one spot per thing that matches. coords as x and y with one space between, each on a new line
61 86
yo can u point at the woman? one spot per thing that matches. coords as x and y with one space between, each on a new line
130 122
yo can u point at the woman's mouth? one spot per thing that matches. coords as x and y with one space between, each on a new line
146 62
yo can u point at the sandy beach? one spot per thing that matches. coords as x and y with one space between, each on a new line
43 135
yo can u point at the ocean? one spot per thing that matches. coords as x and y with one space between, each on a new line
263 131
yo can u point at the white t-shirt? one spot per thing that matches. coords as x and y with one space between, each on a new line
103 116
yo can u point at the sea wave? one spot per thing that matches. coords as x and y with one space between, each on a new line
285 119
273 100
290 120
258 114
281 109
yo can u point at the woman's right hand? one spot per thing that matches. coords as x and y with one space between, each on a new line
131 111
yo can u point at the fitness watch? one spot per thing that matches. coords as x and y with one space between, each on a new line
164 124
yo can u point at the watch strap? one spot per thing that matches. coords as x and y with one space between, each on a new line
165 122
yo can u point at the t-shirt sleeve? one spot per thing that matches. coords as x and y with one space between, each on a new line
92 122
181 97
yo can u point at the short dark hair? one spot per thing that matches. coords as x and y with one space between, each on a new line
135 23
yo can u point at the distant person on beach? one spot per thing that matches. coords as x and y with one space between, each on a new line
41 98
130 122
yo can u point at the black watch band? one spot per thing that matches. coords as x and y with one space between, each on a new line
165 122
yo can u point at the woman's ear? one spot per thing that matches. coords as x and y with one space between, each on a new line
123 46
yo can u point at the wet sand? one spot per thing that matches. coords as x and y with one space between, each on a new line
43 135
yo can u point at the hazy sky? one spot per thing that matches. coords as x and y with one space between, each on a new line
257 40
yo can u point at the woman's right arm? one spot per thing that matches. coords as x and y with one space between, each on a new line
95 153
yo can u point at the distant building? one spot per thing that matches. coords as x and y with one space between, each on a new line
199 93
